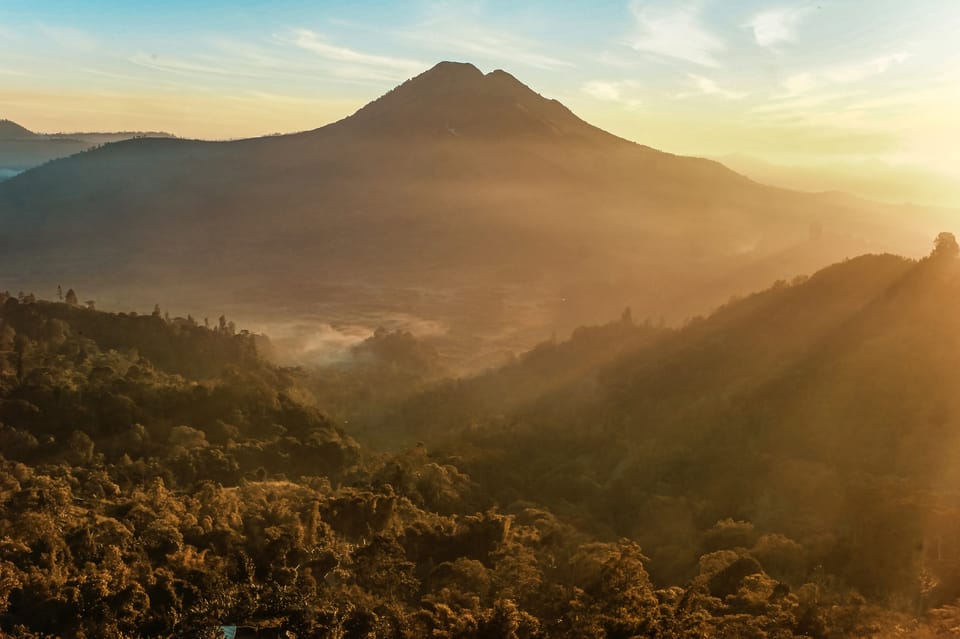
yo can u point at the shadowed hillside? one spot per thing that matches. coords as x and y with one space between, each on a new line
22 149
10 130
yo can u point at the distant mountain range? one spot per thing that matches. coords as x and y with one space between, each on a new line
460 200
872 179
22 149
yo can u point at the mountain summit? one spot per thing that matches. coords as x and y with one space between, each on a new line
457 99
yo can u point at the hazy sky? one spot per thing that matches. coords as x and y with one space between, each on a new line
791 81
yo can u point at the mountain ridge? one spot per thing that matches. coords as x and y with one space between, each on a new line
455 183
10 130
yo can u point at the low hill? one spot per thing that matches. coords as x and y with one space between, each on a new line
22 149
10 130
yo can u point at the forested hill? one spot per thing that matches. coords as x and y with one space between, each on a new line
823 412
159 479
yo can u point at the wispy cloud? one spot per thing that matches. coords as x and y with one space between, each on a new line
386 65
613 91
291 55
852 73
785 106
201 65
69 37
861 70
776 26
602 90
706 86
452 36
799 84
674 31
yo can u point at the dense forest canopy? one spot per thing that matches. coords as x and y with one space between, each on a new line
781 468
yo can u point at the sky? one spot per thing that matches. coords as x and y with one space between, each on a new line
793 82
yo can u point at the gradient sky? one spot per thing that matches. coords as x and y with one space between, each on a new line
793 82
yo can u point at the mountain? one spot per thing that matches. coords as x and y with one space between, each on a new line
21 149
10 130
874 179
461 203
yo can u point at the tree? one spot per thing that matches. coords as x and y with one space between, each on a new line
945 245
71 298
59 293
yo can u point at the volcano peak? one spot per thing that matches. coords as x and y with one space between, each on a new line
457 98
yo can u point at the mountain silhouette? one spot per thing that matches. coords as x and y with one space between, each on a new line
10 130
457 99
459 197
22 149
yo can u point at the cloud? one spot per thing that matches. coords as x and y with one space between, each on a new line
706 86
198 66
862 70
674 32
776 26
315 43
69 37
600 90
804 83
452 36
787 106
799 84
607 91
459 28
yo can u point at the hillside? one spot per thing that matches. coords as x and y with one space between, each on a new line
460 198
819 415
22 149
10 130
